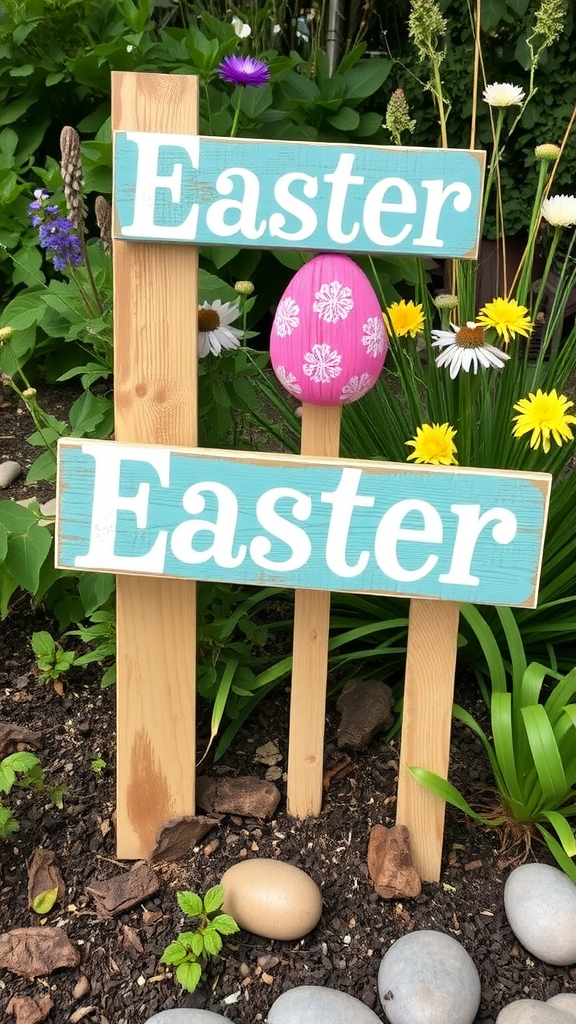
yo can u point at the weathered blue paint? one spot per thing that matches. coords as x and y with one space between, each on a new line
324 197
330 524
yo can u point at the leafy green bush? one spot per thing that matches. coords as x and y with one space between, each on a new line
532 748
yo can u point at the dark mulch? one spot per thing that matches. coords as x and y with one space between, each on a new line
120 958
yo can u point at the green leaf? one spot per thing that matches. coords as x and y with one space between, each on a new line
43 645
189 975
189 903
173 954
366 78
87 413
213 899
369 125
26 554
449 793
8 823
225 924
563 830
212 941
95 588
545 752
44 901
346 120
197 943
43 468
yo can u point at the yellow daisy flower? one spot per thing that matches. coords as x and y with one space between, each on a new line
544 414
433 444
404 319
506 317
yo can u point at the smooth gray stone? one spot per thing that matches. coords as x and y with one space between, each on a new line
533 1011
9 471
540 904
427 977
312 1004
565 1001
185 1015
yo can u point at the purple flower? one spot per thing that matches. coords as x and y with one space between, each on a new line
244 70
55 233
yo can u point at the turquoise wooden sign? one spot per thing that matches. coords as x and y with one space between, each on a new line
326 197
324 524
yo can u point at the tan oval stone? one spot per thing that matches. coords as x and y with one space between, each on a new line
271 898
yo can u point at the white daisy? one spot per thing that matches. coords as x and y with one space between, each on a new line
373 337
560 211
333 302
288 380
214 331
322 364
287 319
464 348
503 94
356 387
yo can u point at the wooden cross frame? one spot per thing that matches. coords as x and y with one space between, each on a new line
110 493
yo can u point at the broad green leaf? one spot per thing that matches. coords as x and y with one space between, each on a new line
43 644
43 468
213 899
188 975
345 120
449 793
197 943
189 903
369 125
366 78
95 588
44 901
212 941
225 924
26 554
7 777
173 954
87 413
8 586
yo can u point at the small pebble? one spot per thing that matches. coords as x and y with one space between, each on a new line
9 472
81 988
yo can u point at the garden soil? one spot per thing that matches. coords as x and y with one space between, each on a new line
119 977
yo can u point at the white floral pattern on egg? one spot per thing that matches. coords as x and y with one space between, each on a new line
328 341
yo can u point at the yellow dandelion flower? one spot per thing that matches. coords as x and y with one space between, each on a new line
433 444
544 414
506 317
404 319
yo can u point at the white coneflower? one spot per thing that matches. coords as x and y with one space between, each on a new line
503 94
560 211
465 348
214 331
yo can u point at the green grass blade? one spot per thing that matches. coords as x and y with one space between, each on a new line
503 739
446 791
564 862
488 643
515 646
563 830
545 752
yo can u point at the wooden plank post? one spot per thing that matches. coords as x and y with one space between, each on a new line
155 392
320 436
426 725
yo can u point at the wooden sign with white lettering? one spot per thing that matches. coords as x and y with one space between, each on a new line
292 521
210 191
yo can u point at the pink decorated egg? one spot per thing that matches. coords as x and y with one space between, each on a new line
328 341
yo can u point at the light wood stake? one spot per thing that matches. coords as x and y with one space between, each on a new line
155 394
426 724
320 436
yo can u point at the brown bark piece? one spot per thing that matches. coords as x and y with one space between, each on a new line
113 896
180 835
246 795
390 863
366 709
44 875
27 1010
13 737
36 951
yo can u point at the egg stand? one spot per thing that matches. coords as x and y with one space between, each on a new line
155 329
